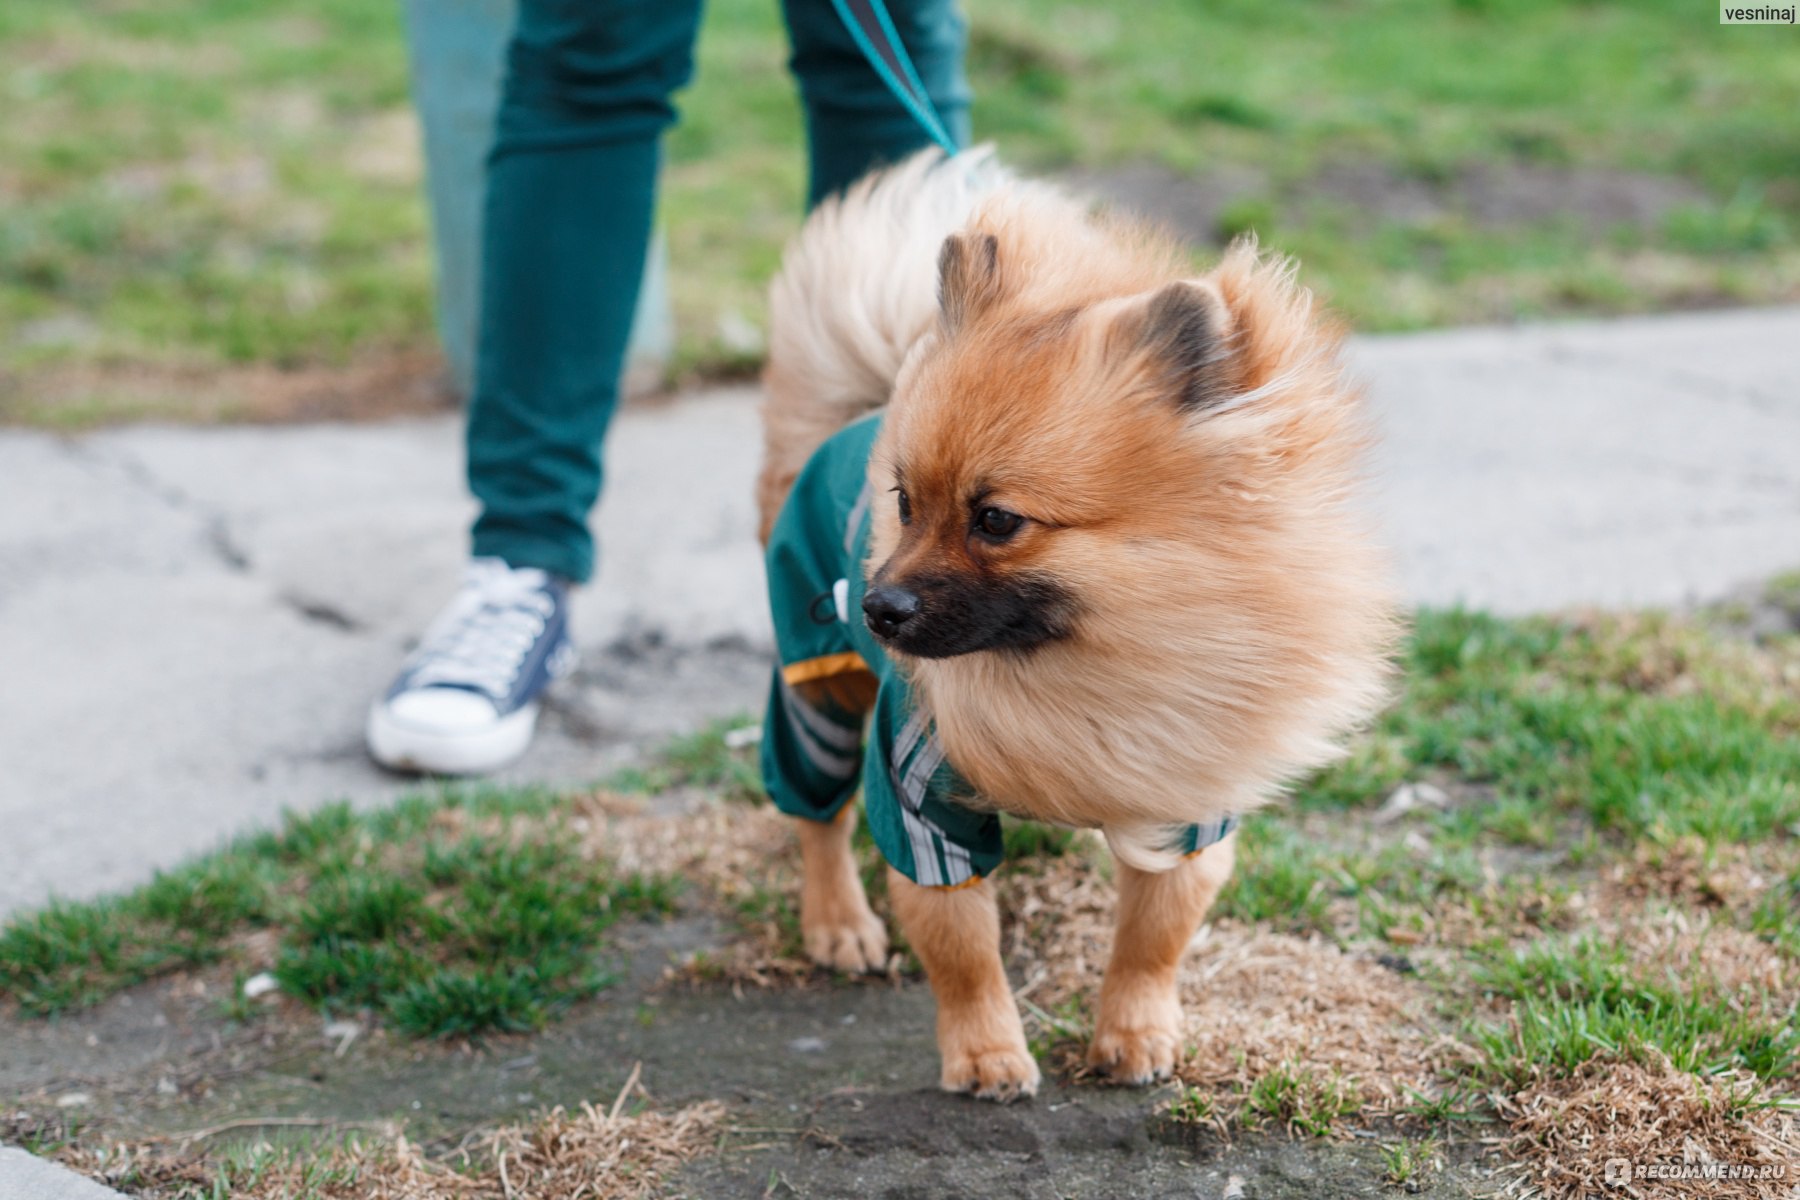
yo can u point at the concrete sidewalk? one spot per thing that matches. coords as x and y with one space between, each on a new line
192 621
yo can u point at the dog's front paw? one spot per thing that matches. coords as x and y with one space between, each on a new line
847 938
1003 1073
1137 1038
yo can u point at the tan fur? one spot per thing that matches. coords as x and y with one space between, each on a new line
1139 1030
841 325
956 932
1234 615
836 922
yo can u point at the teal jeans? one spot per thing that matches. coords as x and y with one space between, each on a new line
570 196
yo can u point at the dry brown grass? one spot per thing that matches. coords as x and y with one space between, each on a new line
1686 869
1709 955
598 1154
1256 1001
1566 1130
1668 655
591 1154
376 385
1259 1000
742 858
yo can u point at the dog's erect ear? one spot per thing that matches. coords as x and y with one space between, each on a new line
1186 331
968 276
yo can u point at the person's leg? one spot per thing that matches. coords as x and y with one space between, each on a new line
570 195
853 123
571 186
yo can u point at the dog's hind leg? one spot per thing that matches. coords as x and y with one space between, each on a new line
1140 1027
956 933
839 928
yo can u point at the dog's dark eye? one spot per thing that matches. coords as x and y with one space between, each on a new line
997 523
905 507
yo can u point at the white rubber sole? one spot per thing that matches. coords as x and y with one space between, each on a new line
400 746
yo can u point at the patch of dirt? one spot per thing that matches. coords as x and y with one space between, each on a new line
1728 877
171 1029
742 857
1192 205
1068 1144
1255 1000
375 387
1367 194
1499 195
378 386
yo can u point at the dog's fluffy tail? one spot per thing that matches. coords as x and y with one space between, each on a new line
857 288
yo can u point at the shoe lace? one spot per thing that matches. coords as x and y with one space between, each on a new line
483 640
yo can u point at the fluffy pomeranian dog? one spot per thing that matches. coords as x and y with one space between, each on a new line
1059 529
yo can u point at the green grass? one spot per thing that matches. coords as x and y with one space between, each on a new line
1311 1103
456 913
210 181
209 178
1578 998
1280 879
73 954
1555 717
1776 917
1194 1106
1411 1162
1296 881
703 759
1303 1100
1034 839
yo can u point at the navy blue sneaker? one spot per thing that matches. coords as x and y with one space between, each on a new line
466 701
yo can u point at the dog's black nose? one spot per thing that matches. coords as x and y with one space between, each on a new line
888 608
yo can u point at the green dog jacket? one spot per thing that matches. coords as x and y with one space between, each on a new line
814 755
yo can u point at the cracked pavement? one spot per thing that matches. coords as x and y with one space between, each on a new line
192 621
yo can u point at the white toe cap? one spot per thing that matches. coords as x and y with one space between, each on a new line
444 710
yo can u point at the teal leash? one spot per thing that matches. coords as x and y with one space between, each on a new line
874 33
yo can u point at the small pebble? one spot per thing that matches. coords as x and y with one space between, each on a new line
1409 797
807 1045
260 985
